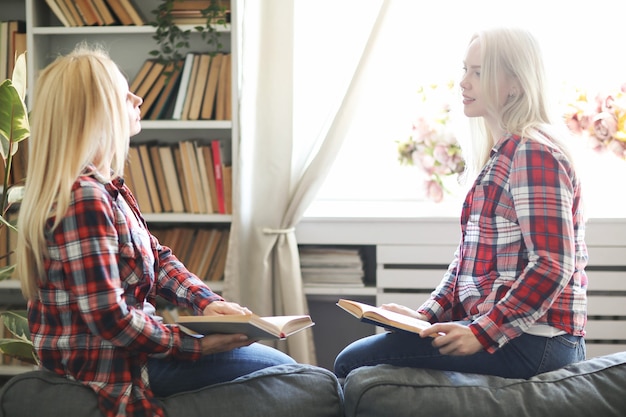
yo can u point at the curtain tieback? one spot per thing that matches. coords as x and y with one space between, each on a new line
269 231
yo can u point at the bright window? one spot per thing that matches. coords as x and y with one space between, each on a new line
424 43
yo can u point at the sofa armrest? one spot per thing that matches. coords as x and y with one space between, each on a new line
596 387
283 390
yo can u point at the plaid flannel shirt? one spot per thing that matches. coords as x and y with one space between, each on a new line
89 323
522 254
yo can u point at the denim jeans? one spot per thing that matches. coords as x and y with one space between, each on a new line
522 357
170 376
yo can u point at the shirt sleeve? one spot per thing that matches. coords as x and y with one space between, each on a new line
542 193
86 243
178 285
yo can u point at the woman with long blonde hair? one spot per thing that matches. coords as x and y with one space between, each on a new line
513 300
89 266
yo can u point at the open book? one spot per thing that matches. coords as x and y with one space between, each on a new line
383 318
255 327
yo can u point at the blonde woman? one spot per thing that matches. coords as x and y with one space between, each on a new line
513 301
88 264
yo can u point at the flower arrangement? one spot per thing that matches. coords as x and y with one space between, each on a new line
602 120
433 145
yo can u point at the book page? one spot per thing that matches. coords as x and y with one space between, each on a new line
288 324
383 318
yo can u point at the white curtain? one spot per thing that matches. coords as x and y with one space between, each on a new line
276 180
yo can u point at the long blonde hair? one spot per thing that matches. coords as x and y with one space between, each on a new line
79 117
515 54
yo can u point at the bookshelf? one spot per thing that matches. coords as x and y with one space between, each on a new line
129 47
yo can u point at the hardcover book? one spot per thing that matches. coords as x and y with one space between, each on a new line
254 326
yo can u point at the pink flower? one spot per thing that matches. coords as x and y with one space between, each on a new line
434 191
604 126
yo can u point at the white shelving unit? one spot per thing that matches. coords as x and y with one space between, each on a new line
129 47
412 255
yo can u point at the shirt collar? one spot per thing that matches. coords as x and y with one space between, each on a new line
113 186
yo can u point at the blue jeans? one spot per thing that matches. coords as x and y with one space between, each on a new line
170 376
522 357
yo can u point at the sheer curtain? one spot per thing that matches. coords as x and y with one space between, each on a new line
278 174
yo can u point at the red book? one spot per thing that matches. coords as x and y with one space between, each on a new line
219 177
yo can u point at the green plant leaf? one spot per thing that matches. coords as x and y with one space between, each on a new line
16 322
15 194
14 126
6 272
18 78
19 349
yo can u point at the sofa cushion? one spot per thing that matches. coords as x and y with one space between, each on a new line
596 387
284 390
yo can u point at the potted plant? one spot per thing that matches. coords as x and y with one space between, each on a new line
172 41
14 128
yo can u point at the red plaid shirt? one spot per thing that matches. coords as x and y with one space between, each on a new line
522 255
89 323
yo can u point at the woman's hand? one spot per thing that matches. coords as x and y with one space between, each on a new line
453 339
397 308
217 343
225 308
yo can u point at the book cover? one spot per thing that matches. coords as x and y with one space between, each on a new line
120 12
218 264
133 12
383 318
150 98
208 99
209 251
222 90
87 13
73 9
191 88
159 177
148 171
4 50
216 153
190 176
205 182
164 104
228 105
58 12
185 244
227 175
255 327
182 88
208 162
150 79
16 43
178 162
197 250
199 87
105 14
141 74
171 178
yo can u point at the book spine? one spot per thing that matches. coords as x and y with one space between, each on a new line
219 178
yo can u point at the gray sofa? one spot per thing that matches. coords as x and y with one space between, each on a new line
593 388
285 390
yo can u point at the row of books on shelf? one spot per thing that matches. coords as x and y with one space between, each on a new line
125 12
73 13
187 177
324 265
12 44
203 251
196 88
